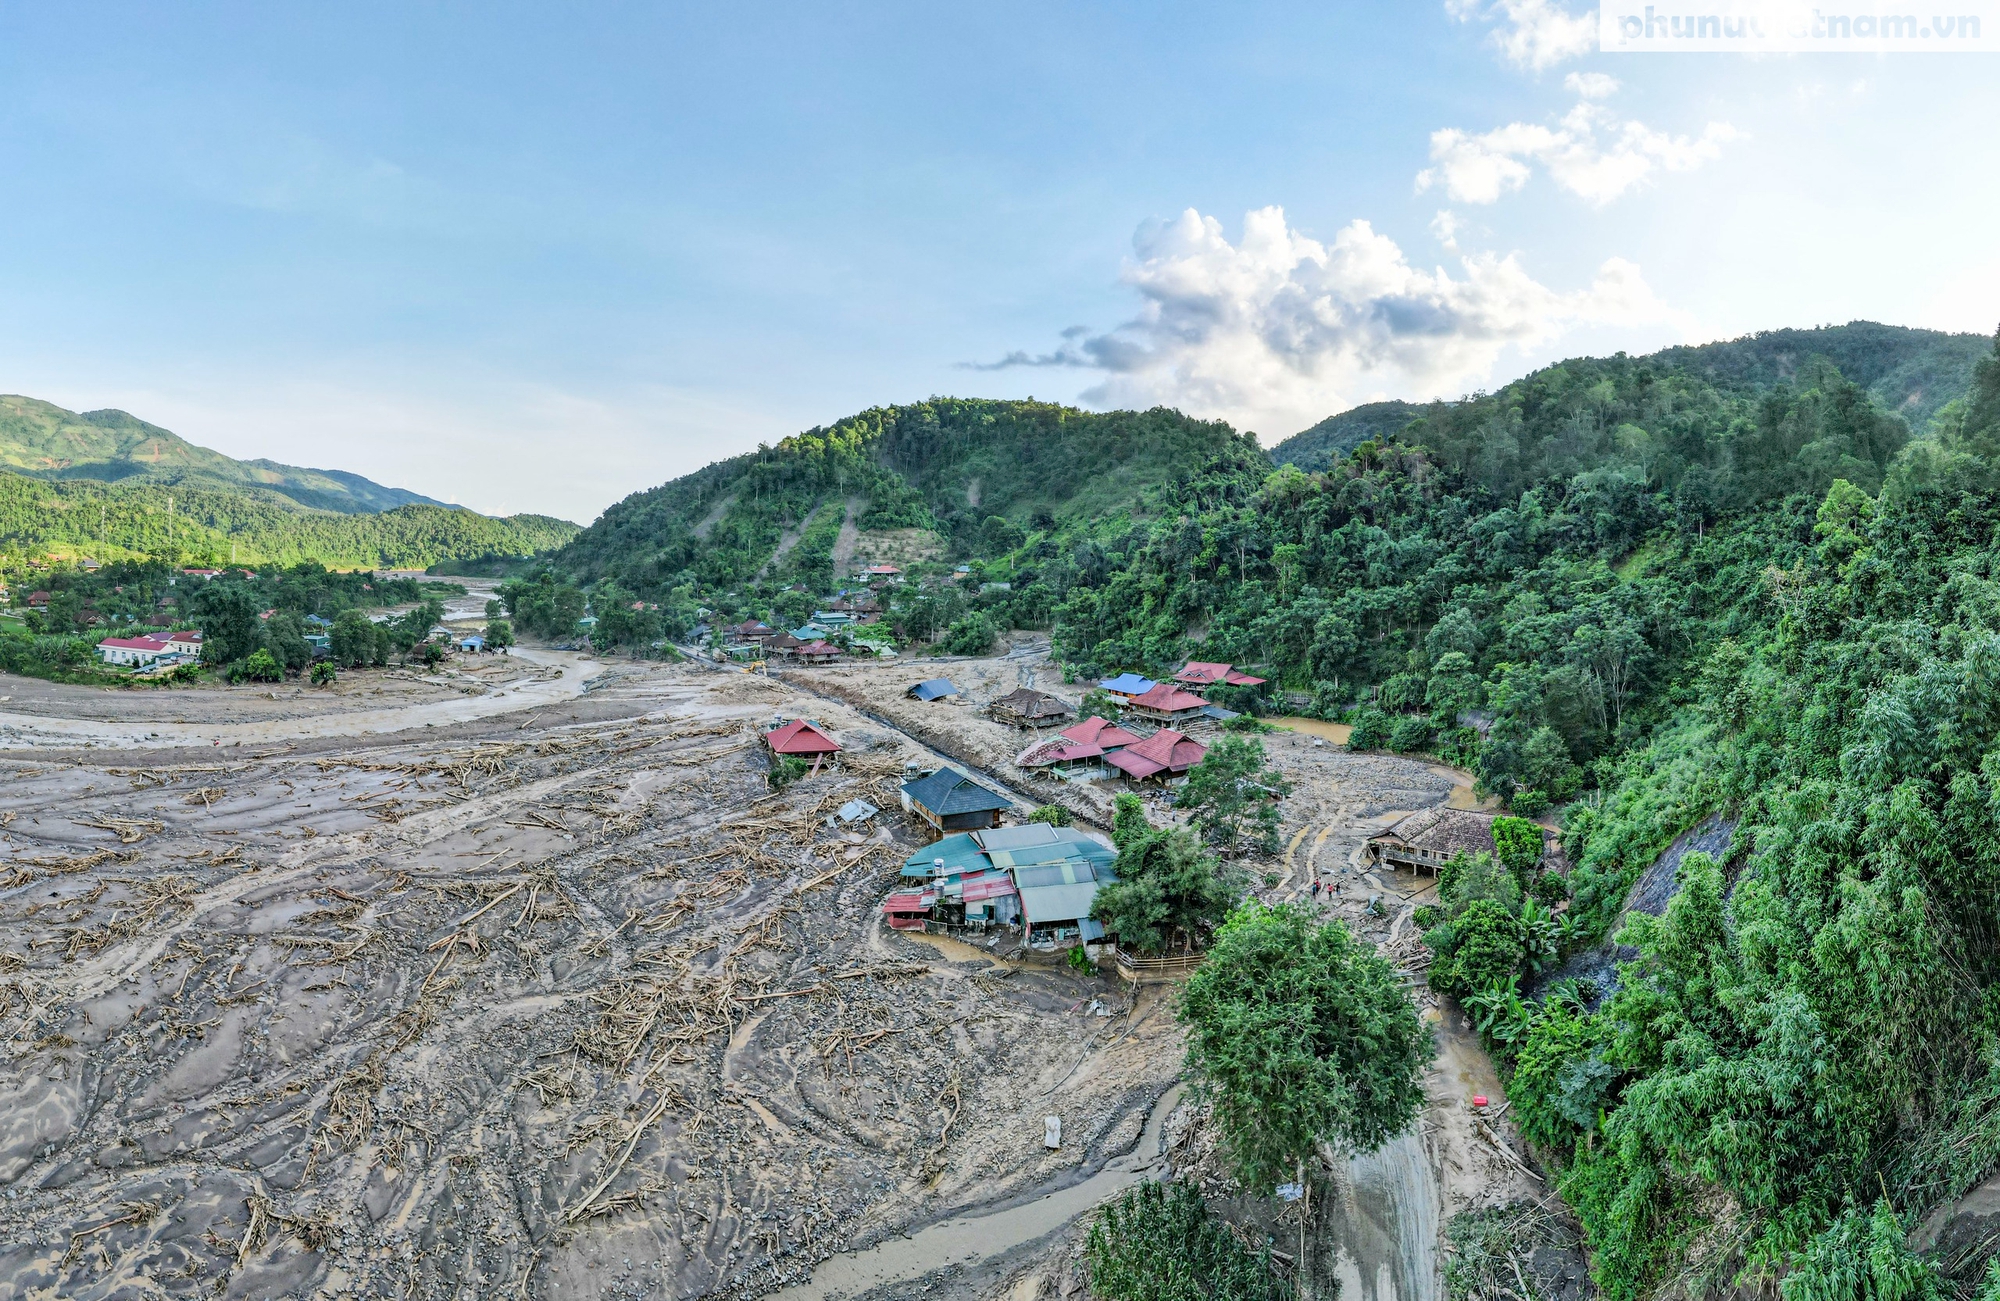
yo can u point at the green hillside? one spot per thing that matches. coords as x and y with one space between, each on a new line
1756 581
1336 436
981 474
43 440
136 517
1909 372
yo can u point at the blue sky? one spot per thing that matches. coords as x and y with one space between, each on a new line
532 258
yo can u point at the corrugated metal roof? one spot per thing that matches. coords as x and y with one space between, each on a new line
958 854
1127 684
1057 903
933 689
1031 833
1073 872
948 791
992 885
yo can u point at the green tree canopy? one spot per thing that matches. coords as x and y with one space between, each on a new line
1234 795
1168 895
1301 1035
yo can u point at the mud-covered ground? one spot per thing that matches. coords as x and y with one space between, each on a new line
552 1000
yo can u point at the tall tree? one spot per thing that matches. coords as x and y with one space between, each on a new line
1301 1035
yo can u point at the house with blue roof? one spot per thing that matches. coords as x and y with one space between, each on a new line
1127 685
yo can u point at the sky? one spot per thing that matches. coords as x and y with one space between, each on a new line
536 258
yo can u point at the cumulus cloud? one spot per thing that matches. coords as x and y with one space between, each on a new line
1591 85
1277 330
1445 227
1590 151
1533 34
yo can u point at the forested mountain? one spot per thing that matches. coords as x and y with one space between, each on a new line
108 485
1336 436
134 518
43 440
1731 582
980 473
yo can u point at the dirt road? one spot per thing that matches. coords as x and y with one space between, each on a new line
491 686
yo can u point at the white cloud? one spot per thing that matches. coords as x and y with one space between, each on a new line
1445 227
1278 329
1591 85
1590 152
1533 34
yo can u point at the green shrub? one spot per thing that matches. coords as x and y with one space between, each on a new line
972 635
323 673
1480 947
786 769
1863 1256
1370 730
260 666
1529 804
1301 1035
1410 734
1158 1242
1053 814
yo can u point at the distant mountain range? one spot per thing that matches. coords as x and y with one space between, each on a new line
43 441
1909 372
107 484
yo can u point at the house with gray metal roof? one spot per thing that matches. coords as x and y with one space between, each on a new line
951 801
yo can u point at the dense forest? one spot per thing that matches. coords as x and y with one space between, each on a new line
1756 582
137 517
42 440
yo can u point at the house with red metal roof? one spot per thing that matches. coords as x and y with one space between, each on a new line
1164 755
817 652
1200 675
801 737
132 650
1166 705
1104 735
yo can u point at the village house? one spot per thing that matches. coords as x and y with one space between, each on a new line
932 689
1098 732
751 630
38 600
949 800
1167 705
1077 752
1127 685
1058 756
801 738
784 646
149 648
132 651
1424 842
1199 677
1026 708
817 652
1163 756
886 573
1043 877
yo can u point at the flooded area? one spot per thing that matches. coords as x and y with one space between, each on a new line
965 1240
483 982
